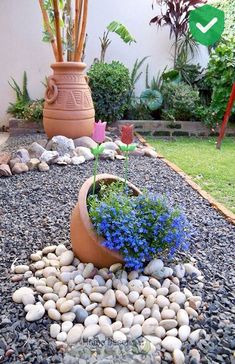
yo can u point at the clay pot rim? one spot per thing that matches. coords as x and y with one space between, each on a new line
82 205
69 65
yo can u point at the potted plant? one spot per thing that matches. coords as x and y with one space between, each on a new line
113 221
68 108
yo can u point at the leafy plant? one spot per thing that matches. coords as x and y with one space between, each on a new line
138 227
189 73
175 15
221 75
152 99
119 29
110 85
180 101
65 31
187 46
135 73
22 97
229 9
156 82
172 76
137 110
34 110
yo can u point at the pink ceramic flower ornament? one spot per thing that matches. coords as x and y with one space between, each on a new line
99 132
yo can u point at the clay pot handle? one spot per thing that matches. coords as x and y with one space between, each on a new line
51 91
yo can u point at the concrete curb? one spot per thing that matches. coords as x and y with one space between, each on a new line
229 216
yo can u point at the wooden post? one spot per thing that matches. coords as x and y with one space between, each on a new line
79 49
79 6
48 29
57 30
226 117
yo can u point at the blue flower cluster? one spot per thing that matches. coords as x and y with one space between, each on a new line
139 227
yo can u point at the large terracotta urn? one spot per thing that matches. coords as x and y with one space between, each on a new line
86 244
68 108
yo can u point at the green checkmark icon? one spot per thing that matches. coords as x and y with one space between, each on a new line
206 24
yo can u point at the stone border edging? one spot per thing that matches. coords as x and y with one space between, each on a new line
215 204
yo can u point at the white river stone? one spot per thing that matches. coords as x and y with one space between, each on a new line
177 297
54 330
28 299
106 330
119 336
66 258
182 317
20 292
170 343
35 313
90 331
20 269
91 320
127 319
109 299
54 314
149 326
168 324
75 334
178 357
135 331
167 314
184 332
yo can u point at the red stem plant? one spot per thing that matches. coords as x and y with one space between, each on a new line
175 14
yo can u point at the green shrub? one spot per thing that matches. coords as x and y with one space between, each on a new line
34 110
180 101
111 86
137 110
16 109
24 107
221 75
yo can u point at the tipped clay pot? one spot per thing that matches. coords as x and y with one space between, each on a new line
68 108
86 244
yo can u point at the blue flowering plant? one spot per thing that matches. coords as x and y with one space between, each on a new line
138 227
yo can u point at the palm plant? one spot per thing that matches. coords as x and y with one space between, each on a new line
65 27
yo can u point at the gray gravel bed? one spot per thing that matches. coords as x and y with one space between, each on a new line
35 210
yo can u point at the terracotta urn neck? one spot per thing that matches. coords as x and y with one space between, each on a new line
68 67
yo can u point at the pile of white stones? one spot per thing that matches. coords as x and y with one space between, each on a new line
62 151
85 301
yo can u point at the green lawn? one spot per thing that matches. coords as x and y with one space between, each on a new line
212 169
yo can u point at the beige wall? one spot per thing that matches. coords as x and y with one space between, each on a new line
22 48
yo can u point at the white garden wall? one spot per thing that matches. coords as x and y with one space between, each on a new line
22 48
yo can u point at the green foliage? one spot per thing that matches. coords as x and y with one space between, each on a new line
172 76
221 75
22 98
228 6
180 101
135 73
137 110
152 99
110 85
188 72
24 107
21 94
156 81
120 29
34 110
